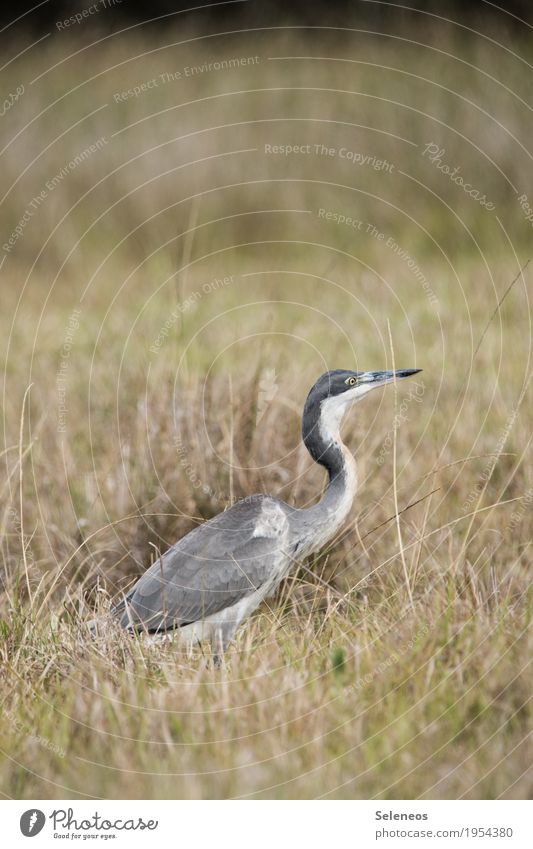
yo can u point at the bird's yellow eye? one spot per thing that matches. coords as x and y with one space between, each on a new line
351 381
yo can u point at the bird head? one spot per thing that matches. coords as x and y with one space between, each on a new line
349 386
335 391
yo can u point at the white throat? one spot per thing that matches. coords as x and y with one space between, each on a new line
332 412
340 498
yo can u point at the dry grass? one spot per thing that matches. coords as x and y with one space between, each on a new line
343 687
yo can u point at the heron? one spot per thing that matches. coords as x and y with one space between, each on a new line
218 574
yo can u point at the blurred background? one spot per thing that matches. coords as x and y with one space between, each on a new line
201 211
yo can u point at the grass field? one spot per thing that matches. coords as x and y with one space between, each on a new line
175 282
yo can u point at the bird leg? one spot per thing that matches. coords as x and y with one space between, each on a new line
220 640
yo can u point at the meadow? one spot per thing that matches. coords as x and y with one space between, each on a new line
195 227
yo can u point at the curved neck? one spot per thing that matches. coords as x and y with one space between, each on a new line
321 436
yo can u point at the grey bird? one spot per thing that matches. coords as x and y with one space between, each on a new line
218 574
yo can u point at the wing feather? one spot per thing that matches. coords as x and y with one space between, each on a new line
211 568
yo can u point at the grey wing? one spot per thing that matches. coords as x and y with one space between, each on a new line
216 565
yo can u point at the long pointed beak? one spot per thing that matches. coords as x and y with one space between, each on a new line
380 377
